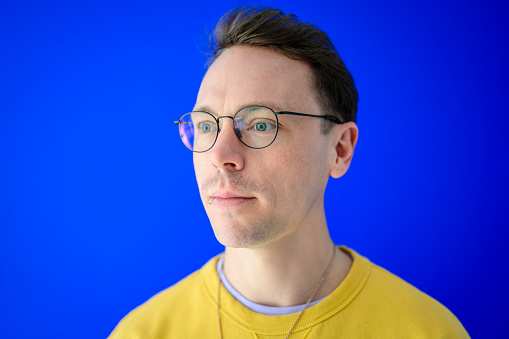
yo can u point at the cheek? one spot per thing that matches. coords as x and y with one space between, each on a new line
200 168
299 171
305 173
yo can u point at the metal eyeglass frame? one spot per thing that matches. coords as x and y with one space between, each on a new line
328 117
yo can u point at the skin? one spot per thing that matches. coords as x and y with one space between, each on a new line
268 207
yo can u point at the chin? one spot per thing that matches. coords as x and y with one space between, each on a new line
253 235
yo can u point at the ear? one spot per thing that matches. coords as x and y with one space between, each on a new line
344 138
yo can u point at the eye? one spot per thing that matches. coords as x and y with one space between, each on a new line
262 126
206 127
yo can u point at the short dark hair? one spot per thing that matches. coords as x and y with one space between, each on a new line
269 27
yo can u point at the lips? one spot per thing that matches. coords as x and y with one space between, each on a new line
228 199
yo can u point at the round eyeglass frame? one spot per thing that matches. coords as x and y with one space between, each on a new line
328 117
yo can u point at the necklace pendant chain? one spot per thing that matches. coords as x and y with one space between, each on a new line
313 293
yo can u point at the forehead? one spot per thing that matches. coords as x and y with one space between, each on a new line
244 75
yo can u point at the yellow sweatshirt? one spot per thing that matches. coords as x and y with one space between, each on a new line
369 303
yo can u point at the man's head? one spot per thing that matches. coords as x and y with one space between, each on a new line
269 27
255 197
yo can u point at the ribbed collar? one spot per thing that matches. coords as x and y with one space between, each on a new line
279 325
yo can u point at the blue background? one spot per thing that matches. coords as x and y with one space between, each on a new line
99 208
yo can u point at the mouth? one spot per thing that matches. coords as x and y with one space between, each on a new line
228 199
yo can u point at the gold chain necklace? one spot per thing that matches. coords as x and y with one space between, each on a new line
315 290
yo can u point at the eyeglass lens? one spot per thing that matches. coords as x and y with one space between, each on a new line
255 126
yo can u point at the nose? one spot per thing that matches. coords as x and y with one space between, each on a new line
228 151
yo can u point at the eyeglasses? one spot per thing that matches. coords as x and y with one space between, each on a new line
255 126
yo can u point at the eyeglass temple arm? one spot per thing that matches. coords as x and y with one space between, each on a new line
328 117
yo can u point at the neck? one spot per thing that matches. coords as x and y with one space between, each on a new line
285 272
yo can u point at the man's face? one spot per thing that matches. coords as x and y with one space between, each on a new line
262 195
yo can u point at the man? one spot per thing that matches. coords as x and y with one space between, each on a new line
274 118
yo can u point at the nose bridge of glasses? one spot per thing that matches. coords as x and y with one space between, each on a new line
220 117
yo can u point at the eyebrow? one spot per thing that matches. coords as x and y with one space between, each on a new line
203 109
272 106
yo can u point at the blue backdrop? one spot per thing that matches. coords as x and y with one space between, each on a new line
99 207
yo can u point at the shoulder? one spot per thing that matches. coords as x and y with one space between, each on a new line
401 294
175 305
400 305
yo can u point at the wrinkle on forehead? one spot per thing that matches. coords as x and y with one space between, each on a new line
242 76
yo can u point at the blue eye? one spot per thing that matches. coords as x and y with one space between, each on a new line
261 126
206 127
